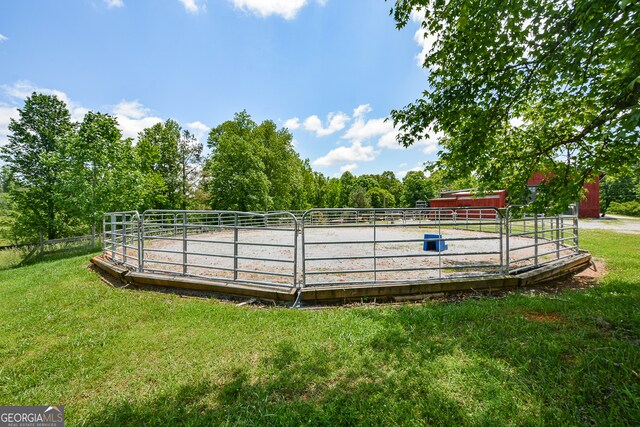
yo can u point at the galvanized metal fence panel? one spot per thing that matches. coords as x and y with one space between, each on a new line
341 246
223 245
544 238
121 238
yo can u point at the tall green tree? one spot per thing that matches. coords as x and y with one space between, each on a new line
160 163
381 198
282 166
618 188
237 178
104 175
315 188
416 187
255 167
389 182
367 182
334 192
190 161
359 198
347 184
35 157
518 86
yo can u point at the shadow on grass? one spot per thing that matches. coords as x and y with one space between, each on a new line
488 362
295 389
15 258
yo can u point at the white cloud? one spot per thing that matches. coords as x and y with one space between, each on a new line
6 114
292 124
361 110
21 89
3 38
363 140
194 6
425 43
133 117
288 9
429 144
24 88
114 3
356 152
336 121
428 149
131 109
199 130
349 168
363 130
198 127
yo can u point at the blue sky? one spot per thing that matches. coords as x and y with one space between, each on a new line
329 70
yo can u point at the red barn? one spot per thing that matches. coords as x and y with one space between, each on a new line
587 208
462 199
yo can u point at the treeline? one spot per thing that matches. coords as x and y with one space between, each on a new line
60 176
620 193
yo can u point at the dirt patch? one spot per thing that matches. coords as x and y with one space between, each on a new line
540 317
585 279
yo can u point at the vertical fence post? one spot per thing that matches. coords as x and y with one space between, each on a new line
507 227
295 251
575 229
93 235
535 237
113 236
557 237
184 244
41 243
562 230
480 219
124 238
140 243
235 246
304 262
375 260
499 219
104 235
175 224
438 245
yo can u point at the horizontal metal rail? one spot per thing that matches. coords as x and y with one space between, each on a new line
180 235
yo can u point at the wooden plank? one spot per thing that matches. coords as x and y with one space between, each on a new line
393 290
110 268
263 292
555 270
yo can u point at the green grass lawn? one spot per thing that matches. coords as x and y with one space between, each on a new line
123 357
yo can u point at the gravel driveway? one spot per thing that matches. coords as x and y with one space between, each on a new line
624 224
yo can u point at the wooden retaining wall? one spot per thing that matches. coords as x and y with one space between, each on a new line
344 293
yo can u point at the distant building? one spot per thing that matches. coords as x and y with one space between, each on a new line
587 208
